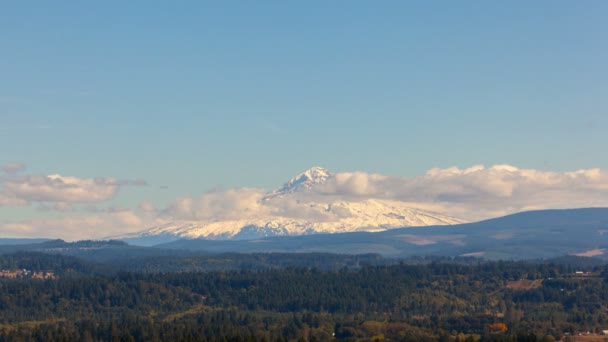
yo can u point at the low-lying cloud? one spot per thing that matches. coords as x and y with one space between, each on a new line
479 192
218 204
473 193
76 227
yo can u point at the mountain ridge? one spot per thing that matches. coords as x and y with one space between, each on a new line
525 235
369 215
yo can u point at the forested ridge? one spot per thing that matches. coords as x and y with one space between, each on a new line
441 300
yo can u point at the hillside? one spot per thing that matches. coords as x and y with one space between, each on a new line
527 235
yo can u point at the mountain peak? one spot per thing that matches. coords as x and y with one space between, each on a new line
305 180
315 173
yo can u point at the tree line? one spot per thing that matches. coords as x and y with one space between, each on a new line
436 301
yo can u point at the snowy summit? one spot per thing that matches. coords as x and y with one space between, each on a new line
297 209
305 181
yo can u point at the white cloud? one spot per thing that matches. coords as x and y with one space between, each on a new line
244 203
56 192
11 200
480 192
75 227
148 207
471 193
224 204
58 188
357 183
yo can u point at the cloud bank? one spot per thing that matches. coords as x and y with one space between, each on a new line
75 227
218 204
69 195
472 194
478 192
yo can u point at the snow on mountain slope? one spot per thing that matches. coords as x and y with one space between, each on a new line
302 182
312 215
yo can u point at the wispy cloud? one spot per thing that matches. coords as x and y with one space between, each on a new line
12 168
58 188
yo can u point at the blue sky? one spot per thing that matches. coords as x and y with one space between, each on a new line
199 95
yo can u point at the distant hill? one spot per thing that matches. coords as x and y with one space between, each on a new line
99 251
5 241
526 235
533 235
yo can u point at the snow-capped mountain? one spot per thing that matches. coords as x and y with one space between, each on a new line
303 182
296 209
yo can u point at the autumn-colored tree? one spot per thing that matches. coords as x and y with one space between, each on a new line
498 327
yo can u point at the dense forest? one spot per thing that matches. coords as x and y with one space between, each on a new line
446 300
